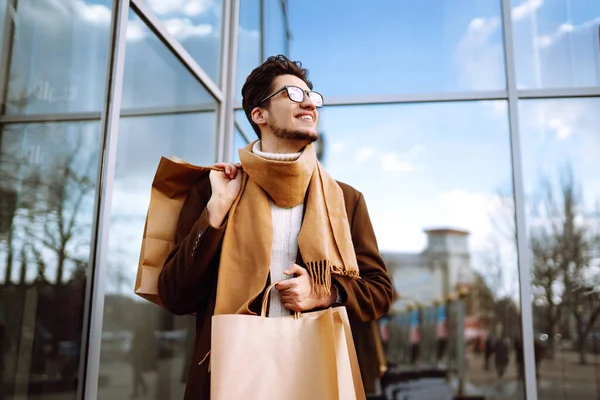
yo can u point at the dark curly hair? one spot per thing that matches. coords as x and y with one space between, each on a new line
259 82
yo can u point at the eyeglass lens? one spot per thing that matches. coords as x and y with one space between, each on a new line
296 94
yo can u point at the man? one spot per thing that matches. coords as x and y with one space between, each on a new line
281 219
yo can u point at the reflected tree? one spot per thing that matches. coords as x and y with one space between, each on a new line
564 244
48 214
564 239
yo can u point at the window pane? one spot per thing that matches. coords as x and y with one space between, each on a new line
556 43
275 32
243 124
59 57
47 190
148 356
3 15
439 195
248 42
197 26
427 46
561 143
153 76
238 142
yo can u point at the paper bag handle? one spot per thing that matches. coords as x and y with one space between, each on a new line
263 312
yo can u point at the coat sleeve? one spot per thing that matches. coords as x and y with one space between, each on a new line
190 270
369 297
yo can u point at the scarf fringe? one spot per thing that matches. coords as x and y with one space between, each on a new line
320 274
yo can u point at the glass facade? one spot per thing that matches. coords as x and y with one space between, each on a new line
471 128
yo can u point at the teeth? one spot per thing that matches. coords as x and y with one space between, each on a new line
306 117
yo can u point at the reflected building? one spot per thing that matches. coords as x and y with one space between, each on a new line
440 273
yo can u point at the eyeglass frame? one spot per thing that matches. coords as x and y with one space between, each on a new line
305 93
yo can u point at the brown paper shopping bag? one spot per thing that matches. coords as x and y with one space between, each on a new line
170 187
309 356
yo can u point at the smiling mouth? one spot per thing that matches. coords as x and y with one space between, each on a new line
305 118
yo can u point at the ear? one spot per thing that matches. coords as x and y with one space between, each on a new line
258 115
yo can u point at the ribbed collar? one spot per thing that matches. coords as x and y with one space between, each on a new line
256 149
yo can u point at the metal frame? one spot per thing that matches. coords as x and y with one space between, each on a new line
228 110
95 289
558 93
413 98
6 52
35 118
519 200
156 25
262 30
185 109
224 77
96 115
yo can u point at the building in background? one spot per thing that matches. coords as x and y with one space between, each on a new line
470 113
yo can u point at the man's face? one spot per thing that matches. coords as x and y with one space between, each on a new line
287 119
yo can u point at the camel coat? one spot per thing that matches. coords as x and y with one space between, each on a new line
188 281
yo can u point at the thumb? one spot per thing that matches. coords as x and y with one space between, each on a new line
295 269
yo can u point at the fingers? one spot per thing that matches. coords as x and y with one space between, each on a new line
295 269
286 284
229 169
293 306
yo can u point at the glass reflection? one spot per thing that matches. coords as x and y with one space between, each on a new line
276 40
59 57
238 142
148 356
47 185
429 46
439 194
556 43
3 5
153 77
561 143
249 42
197 26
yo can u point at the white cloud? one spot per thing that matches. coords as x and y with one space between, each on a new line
564 117
479 57
526 9
136 31
180 28
460 209
472 211
562 129
337 147
183 28
93 13
196 7
563 30
364 154
393 162
188 7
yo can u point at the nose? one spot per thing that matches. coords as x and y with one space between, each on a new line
308 102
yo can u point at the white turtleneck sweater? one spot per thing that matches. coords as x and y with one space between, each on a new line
286 227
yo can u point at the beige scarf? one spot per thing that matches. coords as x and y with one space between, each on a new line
324 241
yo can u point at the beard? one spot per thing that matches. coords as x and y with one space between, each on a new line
296 135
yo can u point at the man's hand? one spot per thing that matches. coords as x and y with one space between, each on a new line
225 187
297 295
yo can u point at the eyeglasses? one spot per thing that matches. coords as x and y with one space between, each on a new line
297 94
